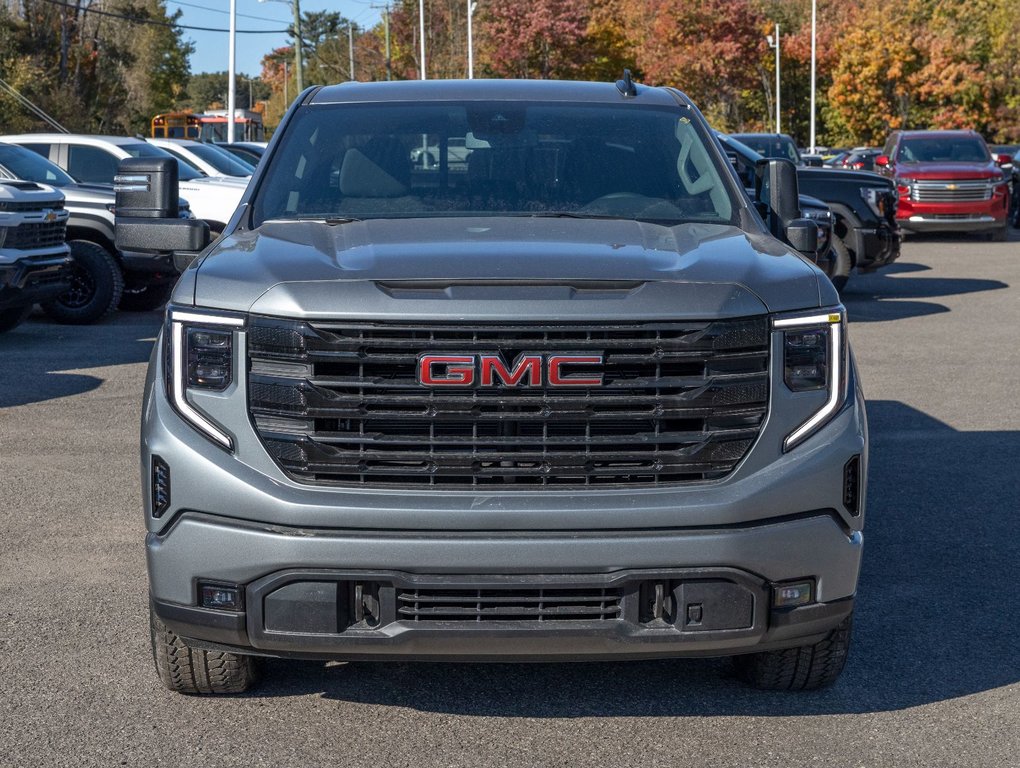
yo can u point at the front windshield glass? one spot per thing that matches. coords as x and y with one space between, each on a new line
26 165
221 160
407 160
943 149
184 171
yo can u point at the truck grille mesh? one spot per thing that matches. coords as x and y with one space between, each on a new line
950 191
485 605
26 237
338 403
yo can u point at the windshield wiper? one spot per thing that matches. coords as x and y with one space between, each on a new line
330 219
569 215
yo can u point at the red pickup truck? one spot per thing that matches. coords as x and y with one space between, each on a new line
947 181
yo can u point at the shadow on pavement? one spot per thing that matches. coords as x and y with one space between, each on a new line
936 617
890 295
26 376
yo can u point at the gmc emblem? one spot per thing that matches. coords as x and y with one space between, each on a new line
489 370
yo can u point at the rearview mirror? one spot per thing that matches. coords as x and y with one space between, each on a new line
147 209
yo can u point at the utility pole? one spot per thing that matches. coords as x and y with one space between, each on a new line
350 44
297 46
286 82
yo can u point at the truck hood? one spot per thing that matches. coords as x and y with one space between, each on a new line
814 177
954 171
407 267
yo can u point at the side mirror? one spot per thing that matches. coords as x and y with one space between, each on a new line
802 235
882 161
147 209
1004 161
776 187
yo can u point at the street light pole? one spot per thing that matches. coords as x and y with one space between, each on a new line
350 44
814 14
231 64
421 25
470 42
775 44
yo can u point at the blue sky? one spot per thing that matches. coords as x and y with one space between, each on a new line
211 47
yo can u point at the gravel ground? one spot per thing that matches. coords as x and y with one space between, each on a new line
933 679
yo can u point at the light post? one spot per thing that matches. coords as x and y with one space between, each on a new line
471 49
299 70
231 66
775 44
814 15
421 27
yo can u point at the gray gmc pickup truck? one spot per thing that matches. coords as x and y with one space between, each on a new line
575 397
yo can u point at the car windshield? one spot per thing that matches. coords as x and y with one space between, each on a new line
412 160
221 160
771 146
943 149
26 165
184 171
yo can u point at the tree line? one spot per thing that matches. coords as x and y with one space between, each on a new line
881 65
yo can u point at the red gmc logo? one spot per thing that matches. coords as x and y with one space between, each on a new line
488 370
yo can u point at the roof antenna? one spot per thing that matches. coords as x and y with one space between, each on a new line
626 86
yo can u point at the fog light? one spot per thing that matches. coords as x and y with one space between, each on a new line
220 597
792 593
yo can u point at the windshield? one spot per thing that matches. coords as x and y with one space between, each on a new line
771 146
411 160
944 149
184 171
221 160
26 165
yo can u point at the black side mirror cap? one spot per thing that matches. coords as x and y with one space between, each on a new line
776 186
148 209
802 235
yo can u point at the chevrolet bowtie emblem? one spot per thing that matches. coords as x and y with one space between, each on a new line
50 216
950 186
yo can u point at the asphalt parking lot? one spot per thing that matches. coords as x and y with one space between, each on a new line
934 674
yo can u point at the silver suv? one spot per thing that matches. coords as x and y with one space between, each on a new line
578 401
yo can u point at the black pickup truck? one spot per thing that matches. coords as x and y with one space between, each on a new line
865 234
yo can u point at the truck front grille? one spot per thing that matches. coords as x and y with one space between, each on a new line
339 403
26 237
950 191
485 605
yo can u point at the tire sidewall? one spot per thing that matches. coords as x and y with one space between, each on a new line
97 266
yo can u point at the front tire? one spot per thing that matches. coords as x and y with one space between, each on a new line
184 669
799 669
96 286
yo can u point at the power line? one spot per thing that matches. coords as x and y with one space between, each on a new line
171 24
220 10
30 106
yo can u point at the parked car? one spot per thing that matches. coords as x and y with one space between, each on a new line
861 159
836 159
579 402
947 181
249 151
34 259
94 159
457 153
209 159
103 278
865 234
1015 188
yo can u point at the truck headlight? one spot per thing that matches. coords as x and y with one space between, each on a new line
815 357
875 198
200 357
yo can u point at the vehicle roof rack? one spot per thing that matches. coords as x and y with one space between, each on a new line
626 86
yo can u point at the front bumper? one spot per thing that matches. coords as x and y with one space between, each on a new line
34 279
349 613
